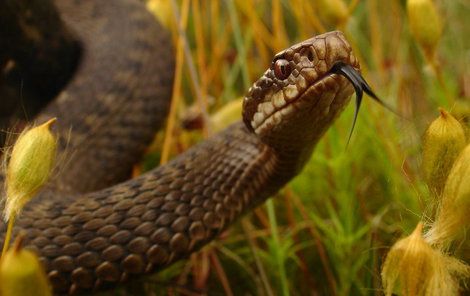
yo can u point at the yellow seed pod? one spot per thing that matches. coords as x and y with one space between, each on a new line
413 267
408 266
226 115
21 274
334 12
453 214
161 9
442 143
425 24
29 167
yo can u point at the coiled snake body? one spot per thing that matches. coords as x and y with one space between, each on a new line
89 231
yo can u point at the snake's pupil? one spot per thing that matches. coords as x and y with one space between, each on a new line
282 69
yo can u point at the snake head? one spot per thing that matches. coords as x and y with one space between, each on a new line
299 96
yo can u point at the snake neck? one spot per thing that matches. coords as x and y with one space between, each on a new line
289 160
293 140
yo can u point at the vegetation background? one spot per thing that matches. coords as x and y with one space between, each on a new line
328 231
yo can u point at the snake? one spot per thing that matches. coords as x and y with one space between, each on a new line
94 228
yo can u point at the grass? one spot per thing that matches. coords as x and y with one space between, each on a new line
327 232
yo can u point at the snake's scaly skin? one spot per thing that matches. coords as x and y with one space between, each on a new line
90 235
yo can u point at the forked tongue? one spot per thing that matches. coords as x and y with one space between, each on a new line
360 85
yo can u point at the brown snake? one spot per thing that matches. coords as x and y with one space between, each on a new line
90 231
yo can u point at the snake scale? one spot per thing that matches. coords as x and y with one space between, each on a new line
93 229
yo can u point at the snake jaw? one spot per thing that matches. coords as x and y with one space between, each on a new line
282 107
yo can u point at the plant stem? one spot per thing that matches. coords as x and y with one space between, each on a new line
279 259
247 229
239 43
440 78
11 222
176 86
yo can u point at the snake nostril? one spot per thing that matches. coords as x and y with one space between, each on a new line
310 55
308 52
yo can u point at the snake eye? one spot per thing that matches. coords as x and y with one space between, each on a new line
282 69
